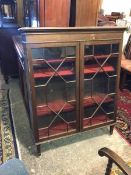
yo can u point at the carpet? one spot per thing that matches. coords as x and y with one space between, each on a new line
7 144
123 125
117 171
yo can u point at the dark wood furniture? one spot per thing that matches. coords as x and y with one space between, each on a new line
64 13
126 63
87 12
72 78
54 13
8 55
114 158
21 66
46 13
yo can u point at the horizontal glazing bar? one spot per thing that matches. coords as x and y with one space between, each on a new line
73 81
42 85
47 59
108 113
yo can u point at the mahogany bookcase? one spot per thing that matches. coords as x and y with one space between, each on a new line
71 78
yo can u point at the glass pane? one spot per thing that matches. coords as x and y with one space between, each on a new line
100 65
111 65
115 48
51 125
112 84
89 50
55 89
54 61
53 52
102 49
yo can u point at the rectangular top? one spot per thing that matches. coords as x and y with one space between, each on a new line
69 29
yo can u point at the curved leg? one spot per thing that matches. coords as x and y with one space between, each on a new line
109 167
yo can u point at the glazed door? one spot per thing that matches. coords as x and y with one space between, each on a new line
55 72
98 83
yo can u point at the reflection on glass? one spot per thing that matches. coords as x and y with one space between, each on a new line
102 49
54 62
53 52
88 50
115 48
55 88
99 83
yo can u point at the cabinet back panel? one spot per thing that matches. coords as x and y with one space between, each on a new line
54 13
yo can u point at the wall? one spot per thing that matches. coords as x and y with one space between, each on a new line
116 6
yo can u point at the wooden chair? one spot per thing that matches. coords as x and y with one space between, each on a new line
114 158
126 63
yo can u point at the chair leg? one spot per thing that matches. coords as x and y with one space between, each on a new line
109 167
123 79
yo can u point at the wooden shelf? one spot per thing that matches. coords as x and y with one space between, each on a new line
53 61
91 101
57 129
93 68
70 59
97 120
48 73
90 57
63 128
90 69
44 110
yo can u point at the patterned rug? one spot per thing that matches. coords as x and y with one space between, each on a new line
117 171
124 115
7 147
